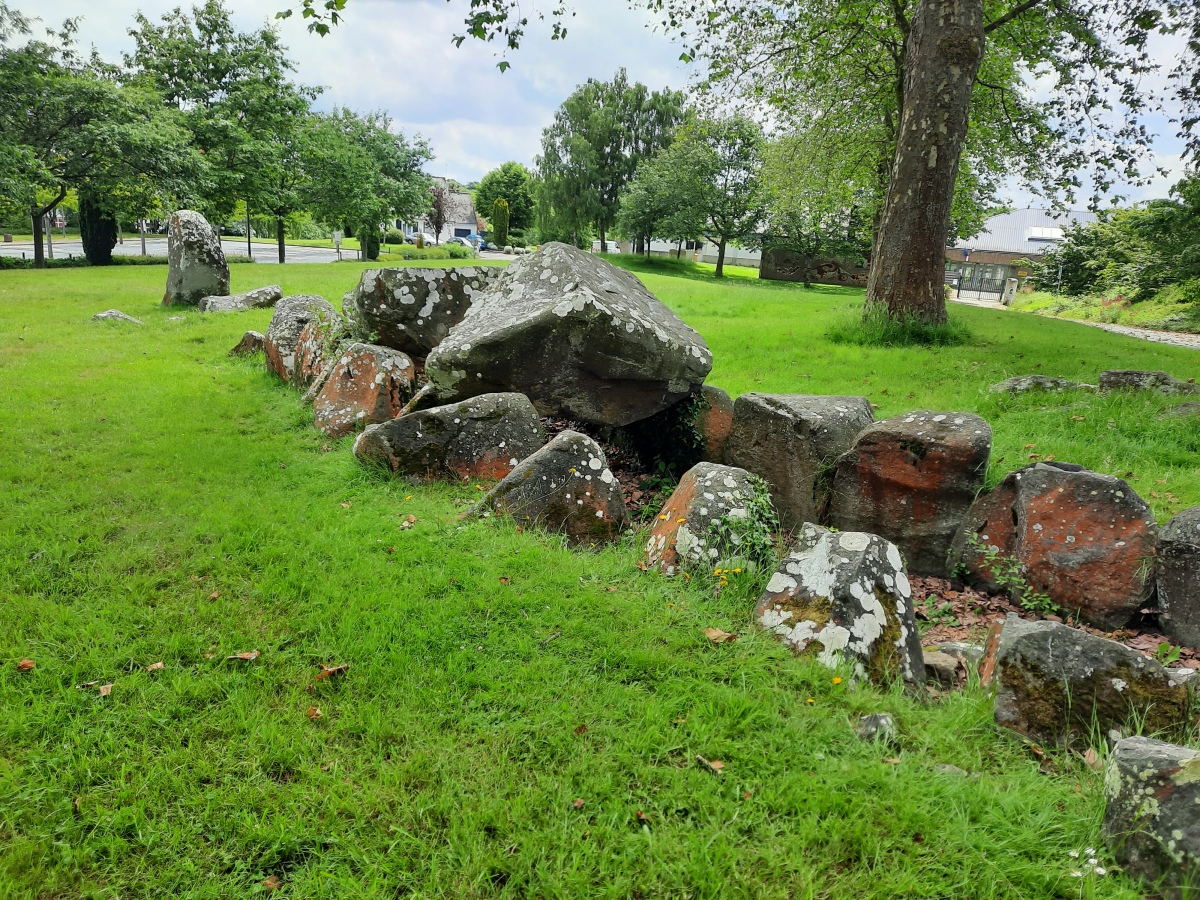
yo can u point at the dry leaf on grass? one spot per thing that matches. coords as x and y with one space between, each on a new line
105 690
717 636
893 761
578 804
504 579
209 655
1092 758
346 505
154 667
314 713
331 671
642 817
713 765
215 595
244 657
582 729
86 686
409 521
272 883
26 665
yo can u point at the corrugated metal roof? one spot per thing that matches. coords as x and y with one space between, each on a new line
1030 232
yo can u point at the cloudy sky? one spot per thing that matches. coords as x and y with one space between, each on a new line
396 55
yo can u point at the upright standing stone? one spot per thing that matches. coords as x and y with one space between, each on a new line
1179 578
1152 816
578 336
1085 540
846 597
790 440
368 384
714 422
197 266
912 479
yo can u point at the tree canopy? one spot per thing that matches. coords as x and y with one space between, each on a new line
512 182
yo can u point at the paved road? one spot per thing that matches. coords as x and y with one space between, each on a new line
157 246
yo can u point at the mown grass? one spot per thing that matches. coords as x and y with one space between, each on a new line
163 502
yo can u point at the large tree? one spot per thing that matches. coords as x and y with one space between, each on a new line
69 123
599 136
513 182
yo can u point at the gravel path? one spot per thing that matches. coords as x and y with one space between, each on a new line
1177 338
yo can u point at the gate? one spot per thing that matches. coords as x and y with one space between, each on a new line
977 285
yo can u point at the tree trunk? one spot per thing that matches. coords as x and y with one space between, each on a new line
721 259
908 265
679 249
142 234
39 251
603 242
279 235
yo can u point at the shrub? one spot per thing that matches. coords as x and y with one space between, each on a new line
97 231
458 251
370 242
394 236
500 221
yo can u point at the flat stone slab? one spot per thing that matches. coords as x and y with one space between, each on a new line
1136 380
484 437
912 479
1032 384
789 440
845 597
115 315
1152 814
412 309
580 337
258 298
566 487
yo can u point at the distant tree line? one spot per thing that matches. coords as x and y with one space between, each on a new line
199 115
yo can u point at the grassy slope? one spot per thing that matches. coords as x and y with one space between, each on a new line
144 471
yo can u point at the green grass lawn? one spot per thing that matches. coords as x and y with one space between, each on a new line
163 502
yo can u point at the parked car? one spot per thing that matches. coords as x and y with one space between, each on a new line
466 242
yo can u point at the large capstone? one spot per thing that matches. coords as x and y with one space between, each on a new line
196 263
912 479
846 598
367 385
1152 814
484 437
292 315
1058 684
790 440
565 487
577 335
1085 540
259 298
1179 578
413 309
702 524
1038 384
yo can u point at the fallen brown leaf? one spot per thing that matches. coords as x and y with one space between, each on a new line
714 765
215 595
612 588
26 665
314 713
248 656
409 521
578 804
582 729
105 690
747 794
1092 758
154 667
504 579
76 804
86 686
331 671
893 761
272 883
642 817
717 636
209 655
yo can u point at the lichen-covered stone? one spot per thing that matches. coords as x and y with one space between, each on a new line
196 264
1184 410
367 384
789 440
292 315
412 309
565 487
846 597
484 437
318 345
1029 384
1179 578
1055 684
252 342
714 422
1085 540
912 479
692 530
259 298
115 315
1135 380
1152 814
577 335
877 727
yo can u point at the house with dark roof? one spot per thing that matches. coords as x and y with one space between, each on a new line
461 220
1007 242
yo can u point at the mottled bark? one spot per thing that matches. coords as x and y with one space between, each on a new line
945 47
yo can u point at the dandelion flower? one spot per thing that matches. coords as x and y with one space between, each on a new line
837 679
737 571
810 700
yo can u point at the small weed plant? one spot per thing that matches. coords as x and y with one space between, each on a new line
1008 572
755 534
